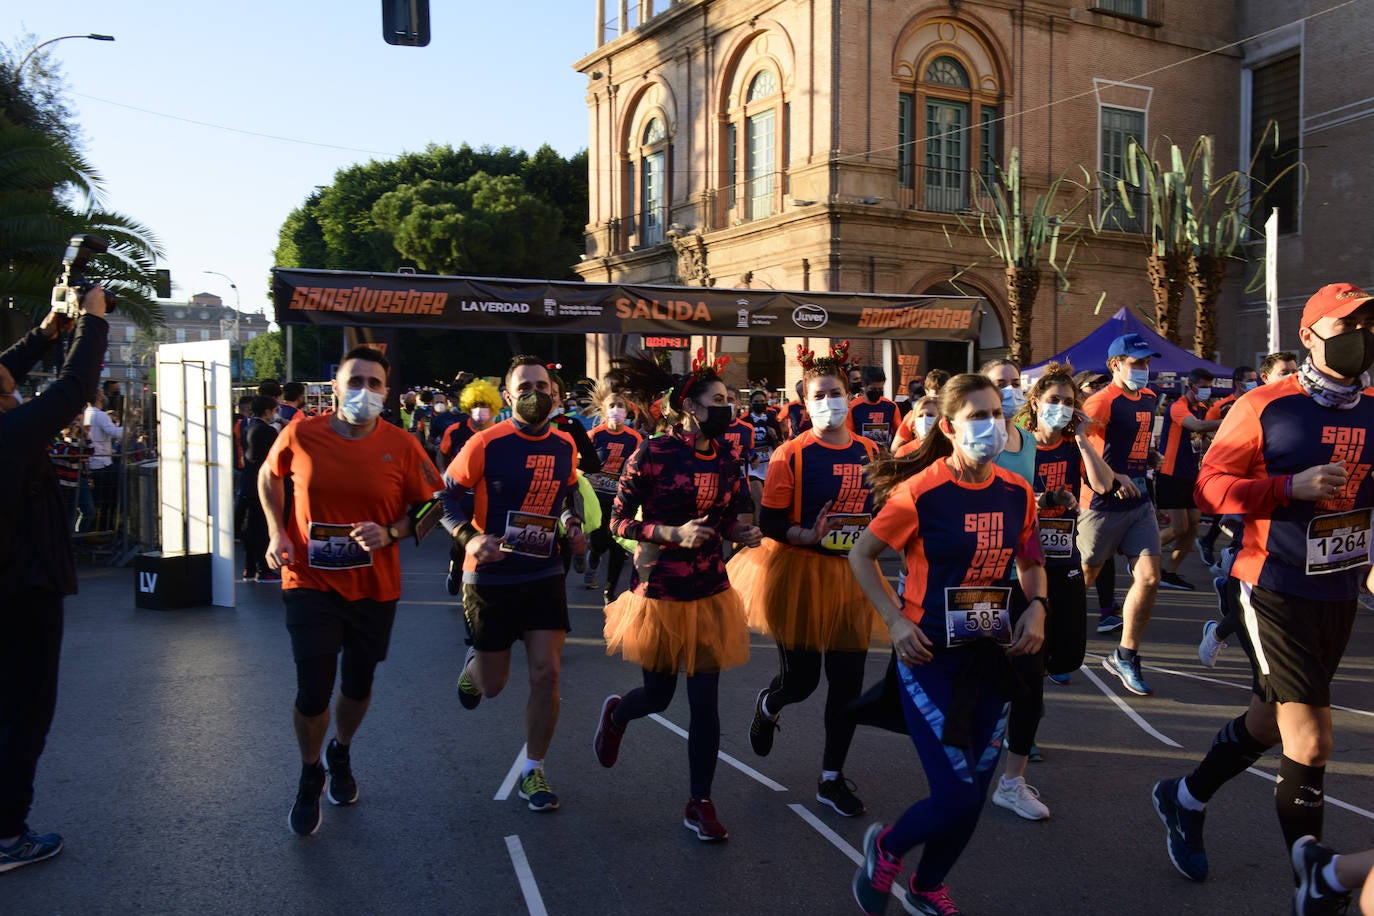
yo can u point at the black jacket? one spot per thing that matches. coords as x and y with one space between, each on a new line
35 533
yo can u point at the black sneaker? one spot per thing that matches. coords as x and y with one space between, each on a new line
1314 895
839 794
1175 581
29 848
248 576
343 788
1208 553
1184 836
762 729
305 813
468 694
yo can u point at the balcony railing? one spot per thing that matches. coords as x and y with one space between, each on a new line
754 198
942 190
1141 10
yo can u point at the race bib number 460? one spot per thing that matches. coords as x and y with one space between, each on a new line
530 535
843 538
331 547
977 613
1338 542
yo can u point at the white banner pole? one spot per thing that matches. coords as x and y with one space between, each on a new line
1271 276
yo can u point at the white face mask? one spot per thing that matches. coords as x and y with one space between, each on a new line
360 406
615 414
1204 394
480 414
440 408
828 413
1012 399
1055 416
924 422
981 440
1137 379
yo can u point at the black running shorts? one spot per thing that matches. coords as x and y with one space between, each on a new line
498 615
1175 492
322 623
1295 644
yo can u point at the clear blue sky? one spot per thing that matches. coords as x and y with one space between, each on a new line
174 110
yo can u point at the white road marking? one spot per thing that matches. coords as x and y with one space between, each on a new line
824 830
726 758
525 874
513 776
1355 809
1135 717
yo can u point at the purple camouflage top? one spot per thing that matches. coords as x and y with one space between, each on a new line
668 482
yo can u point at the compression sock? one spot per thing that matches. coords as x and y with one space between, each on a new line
1298 797
1234 750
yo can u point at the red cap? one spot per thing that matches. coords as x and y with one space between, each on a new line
1336 300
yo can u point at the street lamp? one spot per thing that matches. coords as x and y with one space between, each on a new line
235 287
19 70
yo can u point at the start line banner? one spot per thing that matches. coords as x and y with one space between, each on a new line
354 298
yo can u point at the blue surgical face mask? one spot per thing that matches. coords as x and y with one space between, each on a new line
1055 416
923 425
1012 399
1204 394
981 440
360 406
1248 386
1138 379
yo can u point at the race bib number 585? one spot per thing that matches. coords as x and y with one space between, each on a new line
978 613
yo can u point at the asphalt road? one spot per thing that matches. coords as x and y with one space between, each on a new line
171 767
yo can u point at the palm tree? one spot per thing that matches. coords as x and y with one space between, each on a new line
1017 234
1164 191
49 193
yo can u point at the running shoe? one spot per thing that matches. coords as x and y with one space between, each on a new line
838 793
762 729
1184 831
1109 623
1208 554
1210 647
1035 756
468 694
606 741
248 576
589 578
1315 895
934 902
534 788
29 848
579 563
343 789
1061 680
700 817
1020 799
872 884
1129 672
1176 582
305 811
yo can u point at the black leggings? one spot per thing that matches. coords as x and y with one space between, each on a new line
799 674
603 543
703 733
1106 584
1066 644
315 681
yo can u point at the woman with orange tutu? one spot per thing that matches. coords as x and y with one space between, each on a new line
679 495
798 587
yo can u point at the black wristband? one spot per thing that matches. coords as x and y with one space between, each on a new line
1044 602
1116 485
464 533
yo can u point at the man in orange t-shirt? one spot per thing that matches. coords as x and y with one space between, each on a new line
355 480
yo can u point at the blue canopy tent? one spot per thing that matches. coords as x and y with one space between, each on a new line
1091 353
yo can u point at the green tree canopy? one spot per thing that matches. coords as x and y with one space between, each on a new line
267 354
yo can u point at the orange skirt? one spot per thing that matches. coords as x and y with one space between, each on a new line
804 599
707 634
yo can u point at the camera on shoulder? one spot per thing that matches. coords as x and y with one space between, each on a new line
75 283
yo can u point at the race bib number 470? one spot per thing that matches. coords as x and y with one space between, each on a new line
977 613
331 547
1338 542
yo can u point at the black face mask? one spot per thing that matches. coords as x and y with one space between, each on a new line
533 408
716 422
873 395
1348 354
758 408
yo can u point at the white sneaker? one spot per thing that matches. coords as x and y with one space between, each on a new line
1021 799
1210 647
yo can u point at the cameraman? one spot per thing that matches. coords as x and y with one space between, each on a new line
36 565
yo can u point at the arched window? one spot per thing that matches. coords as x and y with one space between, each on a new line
653 184
949 144
760 158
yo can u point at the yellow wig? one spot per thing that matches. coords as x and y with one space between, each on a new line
480 393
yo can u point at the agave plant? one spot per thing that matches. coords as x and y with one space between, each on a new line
1019 235
48 193
1164 191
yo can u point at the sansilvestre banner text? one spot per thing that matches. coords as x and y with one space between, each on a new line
415 301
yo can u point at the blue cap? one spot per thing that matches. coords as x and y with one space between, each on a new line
1131 346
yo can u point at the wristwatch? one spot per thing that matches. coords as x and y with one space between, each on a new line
394 534
1044 602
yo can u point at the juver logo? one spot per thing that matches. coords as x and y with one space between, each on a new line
810 317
